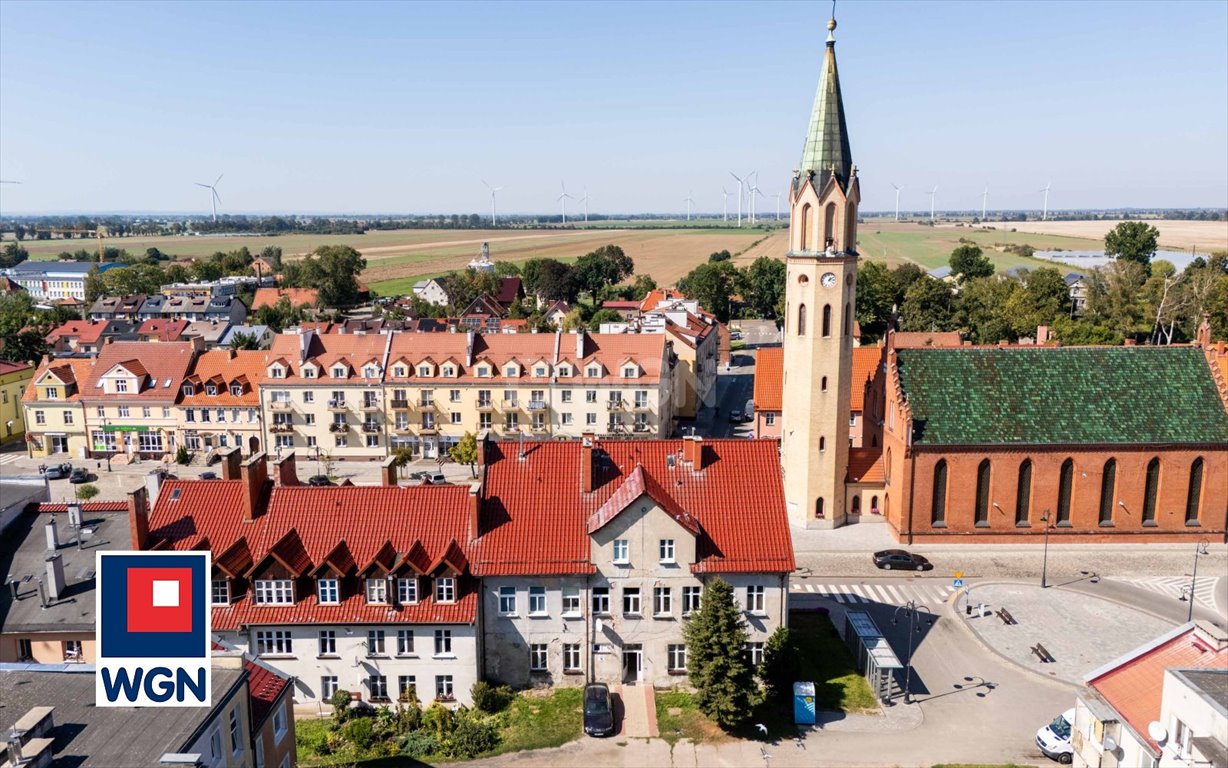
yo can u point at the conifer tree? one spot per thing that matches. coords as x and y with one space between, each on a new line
781 664
716 663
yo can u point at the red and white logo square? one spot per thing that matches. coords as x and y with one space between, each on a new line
160 599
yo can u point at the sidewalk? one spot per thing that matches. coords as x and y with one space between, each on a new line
639 711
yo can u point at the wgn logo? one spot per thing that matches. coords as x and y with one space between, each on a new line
153 629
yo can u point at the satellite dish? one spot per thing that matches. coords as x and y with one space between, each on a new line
1157 732
1110 744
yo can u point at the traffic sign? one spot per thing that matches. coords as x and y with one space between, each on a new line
958 583
959 574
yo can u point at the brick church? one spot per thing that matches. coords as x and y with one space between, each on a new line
972 443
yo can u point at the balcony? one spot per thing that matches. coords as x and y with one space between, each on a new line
508 406
485 406
642 406
427 406
400 405
276 428
642 427
338 426
402 429
614 405
370 428
429 429
537 405
370 406
540 429
336 405
279 405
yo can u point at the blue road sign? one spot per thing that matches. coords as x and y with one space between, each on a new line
958 583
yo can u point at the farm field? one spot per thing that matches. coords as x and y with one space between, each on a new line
930 247
1205 236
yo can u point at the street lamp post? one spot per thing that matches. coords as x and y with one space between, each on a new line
1199 550
1044 566
910 608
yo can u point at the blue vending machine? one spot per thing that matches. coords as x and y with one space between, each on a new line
803 703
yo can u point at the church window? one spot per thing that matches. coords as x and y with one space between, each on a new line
823 384
850 227
805 233
1193 498
829 226
801 320
826 320
938 509
818 507
856 510
874 505
1108 486
1065 488
1150 491
1023 494
822 444
982 494
848 327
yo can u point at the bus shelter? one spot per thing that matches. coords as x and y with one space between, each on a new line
872 652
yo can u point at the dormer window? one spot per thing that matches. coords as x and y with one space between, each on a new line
328 591
445 589
309 372
511 372
407 591
121 385
377 590
540 371
424 371
210 389
338 372
399 371
189 390
274 591
236 389
449 371
483 370
563 370
277 372
593 371
370 372
630 371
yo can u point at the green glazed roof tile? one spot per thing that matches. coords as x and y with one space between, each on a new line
1051 395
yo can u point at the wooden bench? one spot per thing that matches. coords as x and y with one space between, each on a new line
1006 616
1042 654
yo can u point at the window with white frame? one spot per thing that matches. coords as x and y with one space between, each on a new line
443 687
273 642
309 396
571 602
676 657
690 600
407 591
407 687
601 601
328 686
274 591
405 642
507 601
328 591
328 642
537 601
236 732
445 589
571 657
666 550
280 725
375 642
284 441
754 598
377 685
537 657
662 601
220 593
622 552
40 417
443 642
123 411
631 600
754 654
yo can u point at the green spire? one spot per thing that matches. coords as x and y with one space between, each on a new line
827 141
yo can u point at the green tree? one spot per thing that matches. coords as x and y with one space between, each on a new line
603 316
138 278
87 491
606 266
1134 241
969 262
1114 298
763 286
643 285
717 667
781 665
507 269
1076 333
466 452
875 299
242 340
711 284
13 255
724 255
927 306
979 309
336 275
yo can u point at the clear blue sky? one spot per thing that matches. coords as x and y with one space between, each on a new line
388 107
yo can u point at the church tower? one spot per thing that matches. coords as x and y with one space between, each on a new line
820 305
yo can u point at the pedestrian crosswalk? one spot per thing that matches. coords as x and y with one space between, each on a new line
885 594
1176 586
9 458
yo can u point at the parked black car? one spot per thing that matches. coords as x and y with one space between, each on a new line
735 417
899 560
598 710
79 476
208 475
319 481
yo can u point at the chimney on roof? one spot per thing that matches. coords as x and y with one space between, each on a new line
693 451
1042 335
580 336
587 445
230 464
287 470
138 518
475 509
55 576
483 440
53 535
388 472
1130 342
254 472
153 484
1203 337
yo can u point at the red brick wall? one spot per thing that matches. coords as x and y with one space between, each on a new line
917 472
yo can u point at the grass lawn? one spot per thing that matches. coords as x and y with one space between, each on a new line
677 718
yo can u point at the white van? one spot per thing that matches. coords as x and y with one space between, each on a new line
1054 738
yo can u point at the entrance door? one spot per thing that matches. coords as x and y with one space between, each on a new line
428 448
633 663
59 444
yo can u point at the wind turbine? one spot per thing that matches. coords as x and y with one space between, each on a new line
777 196
585 200
984 201
215 198
751 191
689 202
933 195
726 194
740 181
493 190
897 202
1045 213
563 198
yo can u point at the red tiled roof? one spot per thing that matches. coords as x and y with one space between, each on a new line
509 290
658 295
60 507
264 687
905 339
268 297
73 372
534 516
634 486
163 329
865 362
620 305
166 365
865 465
246 366
7 367
769 379
326 350
304 526
84 331
1134 688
